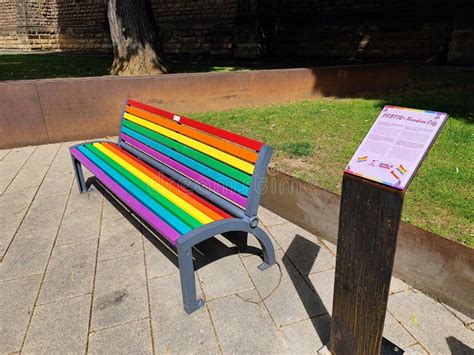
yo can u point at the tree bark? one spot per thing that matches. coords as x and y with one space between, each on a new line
137 46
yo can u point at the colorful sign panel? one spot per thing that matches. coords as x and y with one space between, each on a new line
395 146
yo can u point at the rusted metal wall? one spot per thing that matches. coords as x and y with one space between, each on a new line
53 110
435 265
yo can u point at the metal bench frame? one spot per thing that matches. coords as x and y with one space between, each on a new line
237 228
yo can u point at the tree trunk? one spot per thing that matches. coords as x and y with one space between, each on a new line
137 46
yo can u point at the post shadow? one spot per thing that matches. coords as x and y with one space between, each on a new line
298 245
457 347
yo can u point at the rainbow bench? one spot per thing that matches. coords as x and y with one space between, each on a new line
188 180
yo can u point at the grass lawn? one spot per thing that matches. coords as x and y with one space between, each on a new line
314 140
42 66
63 65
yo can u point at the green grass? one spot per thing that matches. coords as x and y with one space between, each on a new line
63 65
314 140
42 66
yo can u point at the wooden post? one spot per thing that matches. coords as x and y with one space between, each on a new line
368 224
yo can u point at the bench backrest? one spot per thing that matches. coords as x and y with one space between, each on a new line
226 167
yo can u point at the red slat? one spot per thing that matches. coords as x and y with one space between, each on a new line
236 138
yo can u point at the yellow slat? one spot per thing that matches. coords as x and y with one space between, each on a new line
211 151
184 205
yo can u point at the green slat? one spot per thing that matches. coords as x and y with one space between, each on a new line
193 153
178 212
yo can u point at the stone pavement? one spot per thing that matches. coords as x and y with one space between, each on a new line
77 276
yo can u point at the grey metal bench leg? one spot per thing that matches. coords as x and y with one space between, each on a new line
188 282
267 248
79 175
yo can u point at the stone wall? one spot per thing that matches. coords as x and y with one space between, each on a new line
8 30
54 25
442 31
196 26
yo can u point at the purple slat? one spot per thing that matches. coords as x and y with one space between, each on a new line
211 184
157 223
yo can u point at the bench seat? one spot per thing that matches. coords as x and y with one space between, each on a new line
145 189
189 181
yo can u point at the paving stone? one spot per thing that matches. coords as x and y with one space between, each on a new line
307 253
291 301
35 169
60 175
285 233
41 222
4 153
303 248
59 327
307 336
13 207
212 351
28 254
323 285
397 285
119 237
44 213
120 294
129 338
174 331
82 217
245 327
17 298
332 247
394 332
70 272
464 318
157 263
11 165
269 218
416 349
224 277
430 322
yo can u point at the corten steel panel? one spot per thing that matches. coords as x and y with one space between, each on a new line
89 107
435 265
21 119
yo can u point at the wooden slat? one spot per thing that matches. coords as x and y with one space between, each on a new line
135 190
157 188
210 210
173 209
230 148
236 138
147 214
190 142
151 148
202 163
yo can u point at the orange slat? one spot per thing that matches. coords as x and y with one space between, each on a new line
217 143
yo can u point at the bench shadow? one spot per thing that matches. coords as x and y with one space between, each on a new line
204 253
299 244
